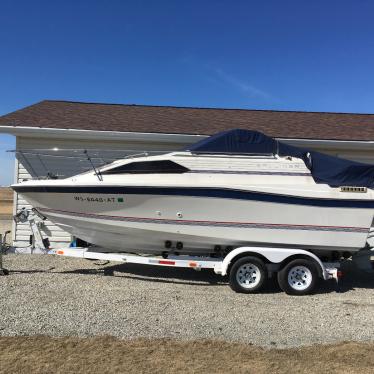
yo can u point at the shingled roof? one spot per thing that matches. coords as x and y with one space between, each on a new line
183 120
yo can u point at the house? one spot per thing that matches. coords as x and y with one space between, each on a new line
116 128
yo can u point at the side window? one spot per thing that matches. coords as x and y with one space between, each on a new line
148 167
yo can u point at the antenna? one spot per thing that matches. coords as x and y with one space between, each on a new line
97 172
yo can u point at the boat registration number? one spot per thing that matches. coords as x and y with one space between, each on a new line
96 199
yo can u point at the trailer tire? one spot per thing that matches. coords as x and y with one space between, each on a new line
298 277
247 275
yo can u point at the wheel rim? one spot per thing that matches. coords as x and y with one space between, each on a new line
248 275
300 278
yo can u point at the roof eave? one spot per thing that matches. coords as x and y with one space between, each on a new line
44 132
94 134
362 145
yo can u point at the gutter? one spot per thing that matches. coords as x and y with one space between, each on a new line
103 135
361 145
171 138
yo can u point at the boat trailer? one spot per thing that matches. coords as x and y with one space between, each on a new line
248 268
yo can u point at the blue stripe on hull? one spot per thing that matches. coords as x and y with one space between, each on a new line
213 192
244 225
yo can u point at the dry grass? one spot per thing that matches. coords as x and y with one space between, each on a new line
42 354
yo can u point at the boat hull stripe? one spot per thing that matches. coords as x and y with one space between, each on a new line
252 225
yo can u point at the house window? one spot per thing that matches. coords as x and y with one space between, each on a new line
148 167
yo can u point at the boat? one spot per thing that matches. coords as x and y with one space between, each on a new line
234 188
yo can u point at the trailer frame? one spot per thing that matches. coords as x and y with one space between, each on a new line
274 259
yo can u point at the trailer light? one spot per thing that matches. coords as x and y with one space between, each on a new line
60 252
166 262
193 264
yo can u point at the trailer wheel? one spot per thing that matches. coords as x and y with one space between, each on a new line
298 277
247 275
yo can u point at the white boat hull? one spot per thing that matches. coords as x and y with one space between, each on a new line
130 222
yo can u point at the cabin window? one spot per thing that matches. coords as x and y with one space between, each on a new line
148 167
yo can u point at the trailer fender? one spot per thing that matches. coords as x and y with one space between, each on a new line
272 255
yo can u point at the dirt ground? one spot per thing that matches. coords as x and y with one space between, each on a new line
42 354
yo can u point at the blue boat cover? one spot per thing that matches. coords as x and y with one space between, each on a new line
325 169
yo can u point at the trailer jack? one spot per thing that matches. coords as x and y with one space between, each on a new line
36 223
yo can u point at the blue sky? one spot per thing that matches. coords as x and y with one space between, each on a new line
292 55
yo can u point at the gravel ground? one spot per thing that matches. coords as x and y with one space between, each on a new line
60 296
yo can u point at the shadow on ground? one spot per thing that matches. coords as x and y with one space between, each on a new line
353 278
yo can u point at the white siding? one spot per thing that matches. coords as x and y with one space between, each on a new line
56 235
22 230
